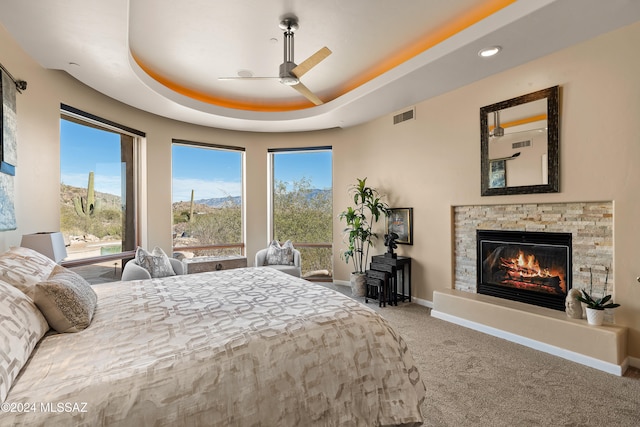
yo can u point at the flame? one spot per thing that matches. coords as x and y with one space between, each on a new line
530 267
526 266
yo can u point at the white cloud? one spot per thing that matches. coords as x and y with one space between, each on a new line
204 189
181 187
111 184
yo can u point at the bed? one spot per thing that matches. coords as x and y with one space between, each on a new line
243 347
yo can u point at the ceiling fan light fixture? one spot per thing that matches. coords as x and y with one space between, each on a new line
286 76
489 51
289 80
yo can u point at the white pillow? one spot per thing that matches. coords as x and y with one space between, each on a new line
66 300
279 255
23 268
21 327
156 263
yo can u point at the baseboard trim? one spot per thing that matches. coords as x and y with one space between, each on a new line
634 362
422 302
610 368
419 301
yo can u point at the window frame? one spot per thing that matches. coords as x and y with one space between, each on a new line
241 245
270 199
134 189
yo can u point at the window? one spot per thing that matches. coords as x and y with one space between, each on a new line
97 193
302 206
207 199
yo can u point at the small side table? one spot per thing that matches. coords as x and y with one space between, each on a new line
402 266
377 287
211 263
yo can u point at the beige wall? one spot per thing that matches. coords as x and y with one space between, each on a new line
430 164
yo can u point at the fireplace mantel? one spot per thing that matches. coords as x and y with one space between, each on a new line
540 328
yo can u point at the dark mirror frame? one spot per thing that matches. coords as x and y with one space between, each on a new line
552 95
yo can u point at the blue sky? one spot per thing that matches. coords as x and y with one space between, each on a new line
315 165
84 149
210 173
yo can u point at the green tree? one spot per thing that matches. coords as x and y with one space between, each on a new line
214 226
304 215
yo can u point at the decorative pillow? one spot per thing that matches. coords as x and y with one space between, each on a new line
279 255
156 263
23 268
66 300
21 327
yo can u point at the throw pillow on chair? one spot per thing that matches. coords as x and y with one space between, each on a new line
156 263
279 255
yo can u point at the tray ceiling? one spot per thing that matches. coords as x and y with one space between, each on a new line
165 57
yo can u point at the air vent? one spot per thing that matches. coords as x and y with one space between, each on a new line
403 117
521 144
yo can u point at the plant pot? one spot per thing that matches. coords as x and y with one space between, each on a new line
358 284
595 317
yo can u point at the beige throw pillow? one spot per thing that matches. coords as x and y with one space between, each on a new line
66 300
21 327
23 268
156 263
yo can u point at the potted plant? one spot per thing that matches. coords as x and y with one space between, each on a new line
360 219
595 307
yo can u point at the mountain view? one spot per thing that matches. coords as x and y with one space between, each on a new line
302 215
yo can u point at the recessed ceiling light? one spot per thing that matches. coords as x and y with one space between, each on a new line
489 51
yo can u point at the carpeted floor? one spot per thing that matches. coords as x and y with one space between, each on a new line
474 379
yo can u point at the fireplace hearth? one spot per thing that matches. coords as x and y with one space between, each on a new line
525 266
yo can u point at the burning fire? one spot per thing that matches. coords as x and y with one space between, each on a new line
525 270
528 266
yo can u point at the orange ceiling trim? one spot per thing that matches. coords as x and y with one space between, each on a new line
431 39
217 100
524 121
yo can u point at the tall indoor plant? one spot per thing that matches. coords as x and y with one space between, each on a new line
360 218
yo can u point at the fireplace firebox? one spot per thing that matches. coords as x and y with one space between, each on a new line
525 266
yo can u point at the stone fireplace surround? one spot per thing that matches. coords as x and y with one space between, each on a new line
591 224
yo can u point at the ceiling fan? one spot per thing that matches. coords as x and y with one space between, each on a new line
290 72
497 129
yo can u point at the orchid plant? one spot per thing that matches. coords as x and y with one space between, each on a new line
597 303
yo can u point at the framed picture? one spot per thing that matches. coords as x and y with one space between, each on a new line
8 152
498 174
400 221
9 126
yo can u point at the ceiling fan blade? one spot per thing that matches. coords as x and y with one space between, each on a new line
304 91
248 78
311 62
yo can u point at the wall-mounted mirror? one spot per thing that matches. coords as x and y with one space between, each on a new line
519 144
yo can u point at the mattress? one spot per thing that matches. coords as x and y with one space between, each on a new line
243 347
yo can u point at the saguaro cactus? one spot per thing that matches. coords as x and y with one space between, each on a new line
86 206
191 208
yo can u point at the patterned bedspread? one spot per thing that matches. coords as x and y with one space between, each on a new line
244 347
